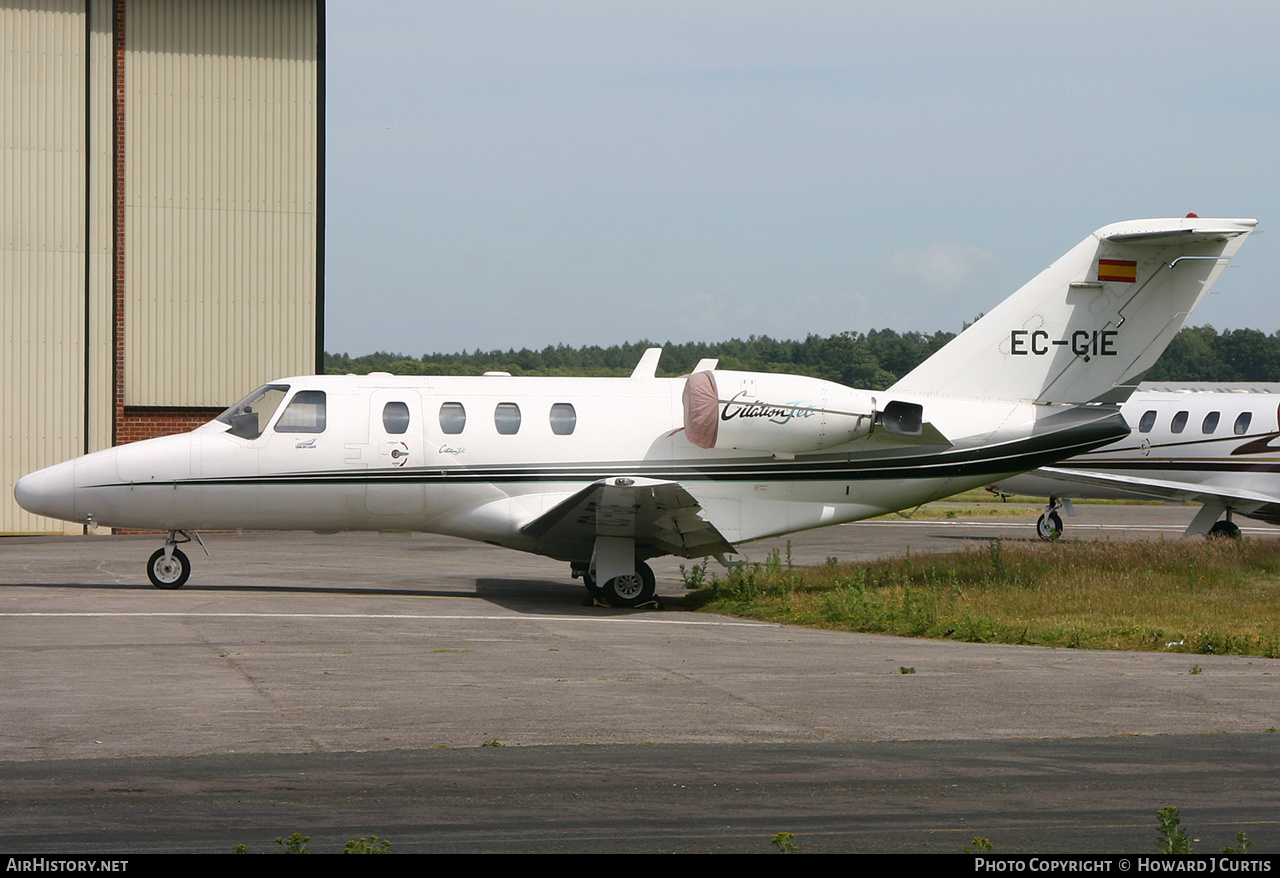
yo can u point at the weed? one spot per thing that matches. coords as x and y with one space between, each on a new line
294 844
1241 839
240 849
370 845
1172 840
832 561
695 577
979 845
773 561
995 550
493 742
785 842
1196 670
905 670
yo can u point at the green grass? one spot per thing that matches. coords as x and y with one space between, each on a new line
1191 596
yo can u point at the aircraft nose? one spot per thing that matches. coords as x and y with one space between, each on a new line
50 491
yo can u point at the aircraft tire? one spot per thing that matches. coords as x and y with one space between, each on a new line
630 590
172 573
1223 530
1049 526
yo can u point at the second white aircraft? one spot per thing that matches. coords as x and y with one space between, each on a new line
604 473
1216 445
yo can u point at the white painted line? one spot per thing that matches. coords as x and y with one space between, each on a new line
406 616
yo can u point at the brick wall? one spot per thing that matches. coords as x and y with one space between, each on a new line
141 422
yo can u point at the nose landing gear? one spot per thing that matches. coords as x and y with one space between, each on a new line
169 567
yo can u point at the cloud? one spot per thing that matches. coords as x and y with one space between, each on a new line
942 269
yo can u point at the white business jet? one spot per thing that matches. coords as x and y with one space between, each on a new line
604 473
1214 444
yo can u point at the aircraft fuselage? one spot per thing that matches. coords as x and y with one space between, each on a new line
481 457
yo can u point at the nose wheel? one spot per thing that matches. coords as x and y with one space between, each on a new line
1049 525
169 567
168 570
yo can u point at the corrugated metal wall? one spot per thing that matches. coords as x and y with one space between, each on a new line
220 198
221 220
43 233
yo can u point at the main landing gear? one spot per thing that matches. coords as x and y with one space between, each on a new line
628 590
1226 529
169 567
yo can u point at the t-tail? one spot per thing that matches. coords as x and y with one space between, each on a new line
1090 325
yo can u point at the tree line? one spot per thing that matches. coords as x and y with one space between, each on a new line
871 360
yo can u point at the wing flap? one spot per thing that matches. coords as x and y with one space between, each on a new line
661 516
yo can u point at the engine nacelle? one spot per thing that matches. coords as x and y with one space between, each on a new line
780 414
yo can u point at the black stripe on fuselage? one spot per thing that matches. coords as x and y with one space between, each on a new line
1001 459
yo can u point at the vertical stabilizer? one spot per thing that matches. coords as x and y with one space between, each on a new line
1087 327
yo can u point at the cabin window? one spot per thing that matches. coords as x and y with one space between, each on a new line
1210 422
506 417
563 418
395 417
453 418
1147 422
304 414
1179 422
1242 423
249 417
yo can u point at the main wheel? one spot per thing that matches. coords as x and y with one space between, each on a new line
1049 526
171 572
630 589
1224 530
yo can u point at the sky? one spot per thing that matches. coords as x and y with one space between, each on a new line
524 174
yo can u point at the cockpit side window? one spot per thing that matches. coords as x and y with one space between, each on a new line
249 417
304 414
1242 423
1210 422
1179 422
1147 422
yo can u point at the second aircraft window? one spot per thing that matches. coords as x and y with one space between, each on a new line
1210 422
1179 422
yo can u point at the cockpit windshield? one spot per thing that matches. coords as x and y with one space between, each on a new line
249 417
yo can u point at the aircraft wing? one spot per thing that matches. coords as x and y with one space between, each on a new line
1239 499
662 517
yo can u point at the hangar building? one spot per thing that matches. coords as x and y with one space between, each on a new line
162 218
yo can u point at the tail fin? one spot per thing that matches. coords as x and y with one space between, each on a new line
1087 327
